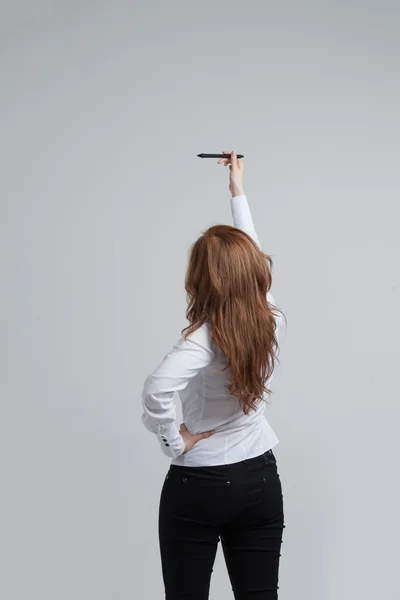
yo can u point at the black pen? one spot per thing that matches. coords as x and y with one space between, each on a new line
217 155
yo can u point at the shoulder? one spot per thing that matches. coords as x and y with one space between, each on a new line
271 301
200 337
279 317
270 298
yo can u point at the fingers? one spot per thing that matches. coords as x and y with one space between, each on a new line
202 436
224 161
232 160
197 436
227 160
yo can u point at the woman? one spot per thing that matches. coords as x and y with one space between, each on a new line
223 482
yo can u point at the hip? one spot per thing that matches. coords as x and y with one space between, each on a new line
218 493
252 464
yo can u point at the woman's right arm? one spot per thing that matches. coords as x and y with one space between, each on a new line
241 213
242 218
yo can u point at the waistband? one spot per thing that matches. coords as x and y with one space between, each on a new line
266 457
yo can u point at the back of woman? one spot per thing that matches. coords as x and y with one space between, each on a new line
223 483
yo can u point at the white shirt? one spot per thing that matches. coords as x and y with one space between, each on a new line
206 404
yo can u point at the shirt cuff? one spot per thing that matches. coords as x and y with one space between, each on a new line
235 199
171 441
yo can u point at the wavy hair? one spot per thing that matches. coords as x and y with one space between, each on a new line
227 280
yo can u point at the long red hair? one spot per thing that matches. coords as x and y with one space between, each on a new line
227 281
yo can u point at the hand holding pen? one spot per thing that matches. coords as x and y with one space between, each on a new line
236 171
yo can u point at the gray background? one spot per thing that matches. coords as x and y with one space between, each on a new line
104 106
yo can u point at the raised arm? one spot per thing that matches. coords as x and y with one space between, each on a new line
241 214
242 218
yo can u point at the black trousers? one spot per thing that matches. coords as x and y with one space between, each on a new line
240 504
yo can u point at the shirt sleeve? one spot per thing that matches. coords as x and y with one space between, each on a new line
242 218
183 362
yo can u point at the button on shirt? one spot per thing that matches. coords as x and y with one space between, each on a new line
191 368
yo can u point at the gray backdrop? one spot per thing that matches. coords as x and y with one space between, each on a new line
104 107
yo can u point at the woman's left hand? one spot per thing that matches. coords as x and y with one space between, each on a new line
191 439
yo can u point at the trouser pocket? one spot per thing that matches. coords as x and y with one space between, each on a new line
269 457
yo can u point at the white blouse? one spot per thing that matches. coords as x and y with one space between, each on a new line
191 369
